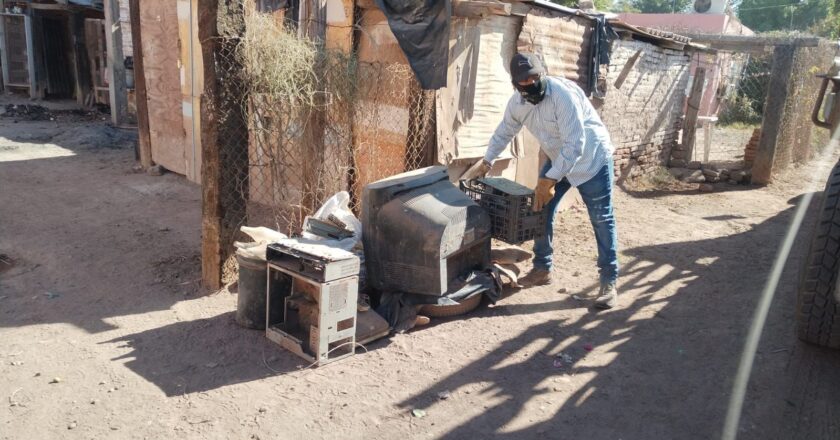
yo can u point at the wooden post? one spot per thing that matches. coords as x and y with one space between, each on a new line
140 97
4 59
116 67
30 58
211 208
75 57
773 123
691 113
224 137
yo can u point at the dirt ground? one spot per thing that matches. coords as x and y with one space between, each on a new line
105 333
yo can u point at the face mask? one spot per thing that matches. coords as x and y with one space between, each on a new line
533 93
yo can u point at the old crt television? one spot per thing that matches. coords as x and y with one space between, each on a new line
420 232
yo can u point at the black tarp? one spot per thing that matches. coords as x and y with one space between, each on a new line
601 40
399 309
422 30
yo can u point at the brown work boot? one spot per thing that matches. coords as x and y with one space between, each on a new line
608 297
537 277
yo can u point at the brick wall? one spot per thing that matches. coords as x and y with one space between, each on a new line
645 92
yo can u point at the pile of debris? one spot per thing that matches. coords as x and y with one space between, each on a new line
421 250
696 172
34 112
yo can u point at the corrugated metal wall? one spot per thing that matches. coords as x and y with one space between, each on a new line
562 40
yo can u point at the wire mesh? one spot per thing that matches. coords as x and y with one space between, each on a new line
349 123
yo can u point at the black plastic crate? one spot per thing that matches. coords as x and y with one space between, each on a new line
510 206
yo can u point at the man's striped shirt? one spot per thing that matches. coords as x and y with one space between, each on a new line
569 130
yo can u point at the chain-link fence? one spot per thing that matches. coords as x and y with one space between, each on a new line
736 94
307 122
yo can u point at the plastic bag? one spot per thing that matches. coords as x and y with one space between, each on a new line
262 237
338 206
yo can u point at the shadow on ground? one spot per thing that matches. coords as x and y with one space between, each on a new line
683 382
85 239
204 354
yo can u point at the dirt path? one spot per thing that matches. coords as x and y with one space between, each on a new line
102 294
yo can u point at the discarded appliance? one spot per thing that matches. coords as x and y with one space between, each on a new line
420 233
319 308
313 259
510 207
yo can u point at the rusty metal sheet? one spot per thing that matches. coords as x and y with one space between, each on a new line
563 42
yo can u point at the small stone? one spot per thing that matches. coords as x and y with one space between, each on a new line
93 401
695 177
576 274
156 170
419 413
16 363
706 187
694 165
443 395
115 428
678 173
72 425
101 382
55 380
562 290
263 409
740 176
137 168
37 374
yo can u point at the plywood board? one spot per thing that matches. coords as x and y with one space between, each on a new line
159 24
191 85
376 41
478 86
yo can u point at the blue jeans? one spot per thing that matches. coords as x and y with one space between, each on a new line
597 195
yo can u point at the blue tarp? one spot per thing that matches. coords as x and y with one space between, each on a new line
90 3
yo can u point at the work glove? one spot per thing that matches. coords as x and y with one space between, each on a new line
543 193
477 170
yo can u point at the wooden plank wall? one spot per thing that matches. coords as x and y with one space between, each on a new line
95 48
16 50
161 56
192 82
